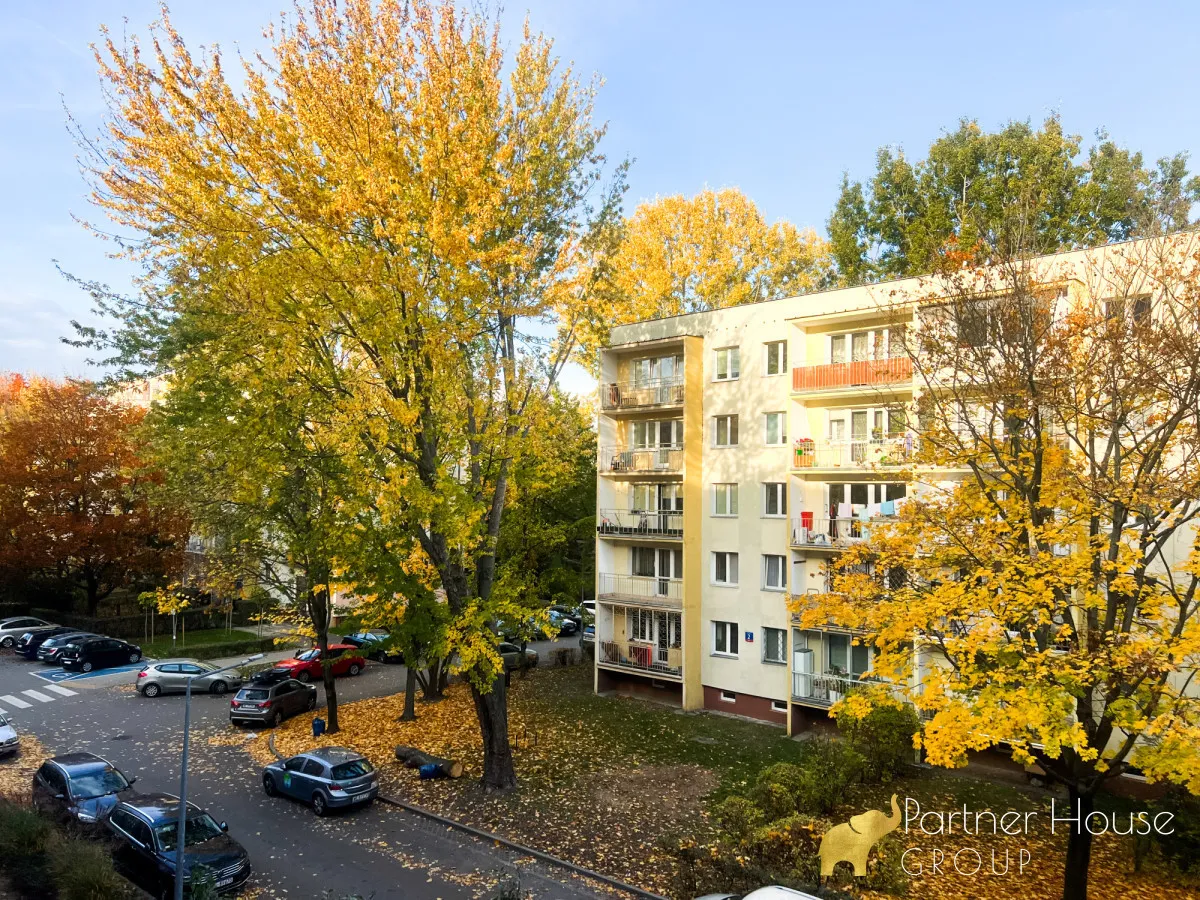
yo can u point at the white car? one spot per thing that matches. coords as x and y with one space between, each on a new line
13 628
764 893
10 741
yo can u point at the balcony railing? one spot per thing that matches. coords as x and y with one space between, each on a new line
864 373
656 460
809 531
825 689
647 589
631 395
866 453
641 657
625 523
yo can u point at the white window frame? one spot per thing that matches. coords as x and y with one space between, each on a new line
731 430
779 489
766 565
779 706
729 359
782 660
783 346
731 633
731 563
730 490
781 429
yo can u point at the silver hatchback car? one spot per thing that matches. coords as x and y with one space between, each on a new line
326 778
171 676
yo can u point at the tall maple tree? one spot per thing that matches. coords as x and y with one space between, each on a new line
73 501
1053 588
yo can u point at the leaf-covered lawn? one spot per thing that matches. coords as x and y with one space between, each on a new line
605 781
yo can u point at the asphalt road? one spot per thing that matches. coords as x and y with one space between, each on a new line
376 852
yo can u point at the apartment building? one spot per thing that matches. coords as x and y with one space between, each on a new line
740 450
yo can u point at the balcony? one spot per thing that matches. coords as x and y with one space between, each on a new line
626 461
643 590
809 533
641 657
883 452
838 377
633 396
641 524
826 689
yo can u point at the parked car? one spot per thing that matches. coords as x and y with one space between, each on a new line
10 741
372 644
171 676
587 638
87 654
270 704
511 654
326 778
564 624
80 786
306 665
12 628
51 647
269 676
145 828
763 893
588 608
27 644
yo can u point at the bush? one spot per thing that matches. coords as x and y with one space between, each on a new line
231 648
1181 848
737 817
84 871
812 788
883 737
23 833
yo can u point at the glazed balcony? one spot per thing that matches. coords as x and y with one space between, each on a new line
641 590
852 376
881 452
650 659
635 396
636 462
639 524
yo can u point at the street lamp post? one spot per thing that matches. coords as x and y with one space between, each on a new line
181 826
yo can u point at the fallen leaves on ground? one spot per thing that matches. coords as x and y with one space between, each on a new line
16 771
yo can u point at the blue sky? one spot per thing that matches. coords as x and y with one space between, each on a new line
775 98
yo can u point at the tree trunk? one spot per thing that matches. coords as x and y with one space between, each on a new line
1079 846
433 685
499 774
93 594
410 695
319 614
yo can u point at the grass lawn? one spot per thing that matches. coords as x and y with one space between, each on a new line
160 647
604 782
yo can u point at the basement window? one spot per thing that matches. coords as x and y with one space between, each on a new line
729 696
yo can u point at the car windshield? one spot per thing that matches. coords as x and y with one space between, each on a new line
314 653
353 769
200 828
255 695
4 720
97 783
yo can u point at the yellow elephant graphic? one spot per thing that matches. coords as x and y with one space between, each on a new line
853 840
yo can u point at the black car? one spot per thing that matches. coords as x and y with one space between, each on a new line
375 645
145 827
97 653
51 647
30 642
79 786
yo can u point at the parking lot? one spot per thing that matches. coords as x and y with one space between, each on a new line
378 851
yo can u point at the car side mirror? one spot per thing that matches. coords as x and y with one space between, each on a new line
132 780
224 826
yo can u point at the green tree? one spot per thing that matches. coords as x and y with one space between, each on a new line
1015 189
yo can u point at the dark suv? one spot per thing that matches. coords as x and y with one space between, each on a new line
270 704
97 653
145 828
79 786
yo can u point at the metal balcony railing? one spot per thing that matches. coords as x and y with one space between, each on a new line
634 523
618 395
809 531
655 460
855 453
863 373
648 588
825 689
641 657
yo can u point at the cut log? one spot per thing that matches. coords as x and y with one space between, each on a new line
414 759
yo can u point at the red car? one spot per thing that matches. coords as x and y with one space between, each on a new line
306 664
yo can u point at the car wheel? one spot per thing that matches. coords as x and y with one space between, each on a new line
305 677
218 687
312 701
320 807
151 690
355 668
135 656
87 667
277 719
269 785
8 642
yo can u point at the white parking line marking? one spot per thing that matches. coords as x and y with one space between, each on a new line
15 701
38 695
3 712
62 691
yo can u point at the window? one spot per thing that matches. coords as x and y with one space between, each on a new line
729 696
664 433
314 768
774 499
728 364
641 625
775 646
725 568
776 428
725 499
846 658
779 706
776 361
725 431
774 572
725 640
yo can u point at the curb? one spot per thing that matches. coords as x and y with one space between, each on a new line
520 848
271 745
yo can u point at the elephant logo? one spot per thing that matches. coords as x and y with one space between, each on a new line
853 840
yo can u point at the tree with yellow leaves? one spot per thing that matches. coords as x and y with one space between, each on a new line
679 255
378 211
1051 590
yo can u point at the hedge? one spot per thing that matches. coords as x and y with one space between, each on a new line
134 627
230 648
